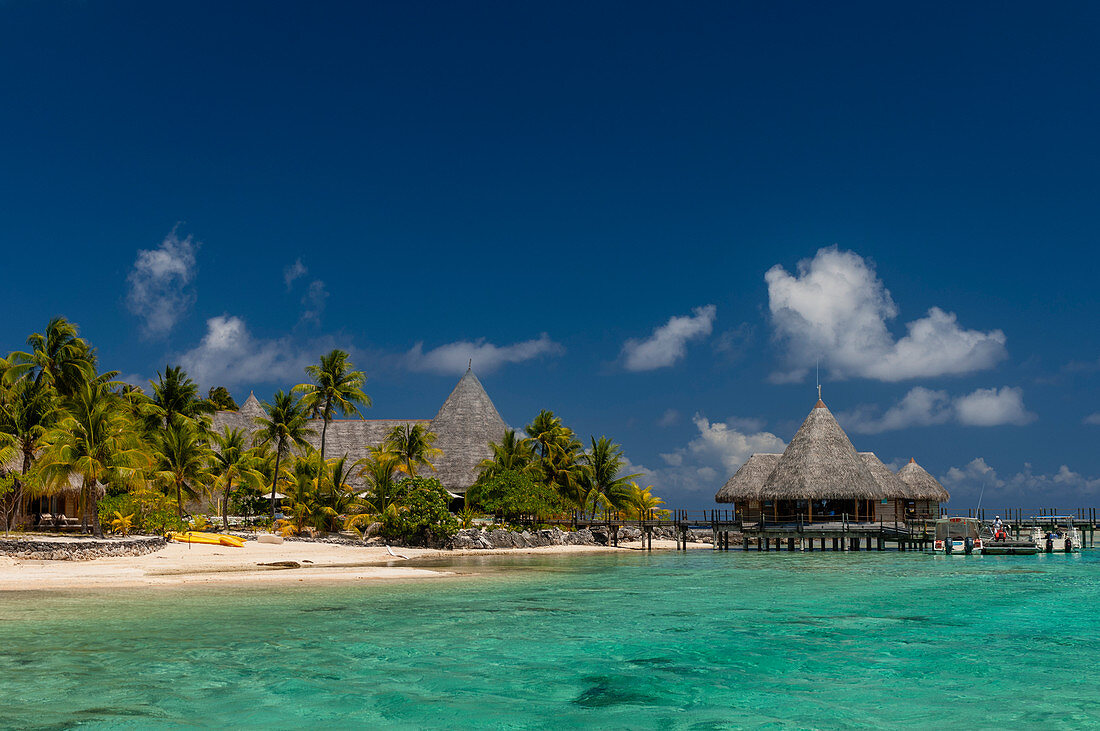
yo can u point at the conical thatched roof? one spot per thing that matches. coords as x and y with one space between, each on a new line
747 481
922 486
886 479
821 463
466 423
243 418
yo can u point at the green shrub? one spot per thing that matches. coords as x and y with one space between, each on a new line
419 516
513 496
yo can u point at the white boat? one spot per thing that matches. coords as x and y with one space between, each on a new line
961 536
1059 536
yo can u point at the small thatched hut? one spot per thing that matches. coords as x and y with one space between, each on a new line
925 491
821 476
745 484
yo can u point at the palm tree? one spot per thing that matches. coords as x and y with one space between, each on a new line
379 470
183 461
334 388
512 454
284 427
221 399
234 465
95 441
640 502
603 463
27 409
412 443
558 451
176 395
58 357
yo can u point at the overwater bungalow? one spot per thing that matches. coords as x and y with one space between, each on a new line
821 477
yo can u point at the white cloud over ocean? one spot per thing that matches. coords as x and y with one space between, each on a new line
160 290
927 407
668 343
229 355
836 309
486 357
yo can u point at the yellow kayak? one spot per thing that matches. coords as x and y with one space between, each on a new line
213 539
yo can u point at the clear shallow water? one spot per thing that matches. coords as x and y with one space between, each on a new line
668 640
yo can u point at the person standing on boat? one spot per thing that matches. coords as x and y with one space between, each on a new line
998 529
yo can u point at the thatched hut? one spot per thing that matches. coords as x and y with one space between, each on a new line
465 424
925 492
821 476
893 506
744 487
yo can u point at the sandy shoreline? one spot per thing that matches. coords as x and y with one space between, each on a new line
178 564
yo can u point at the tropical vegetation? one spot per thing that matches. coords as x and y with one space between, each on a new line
139 459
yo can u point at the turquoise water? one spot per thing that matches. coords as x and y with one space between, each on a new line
697 641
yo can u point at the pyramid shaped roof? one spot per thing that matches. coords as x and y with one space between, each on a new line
922 486
889 481
821 463
466 423
749 478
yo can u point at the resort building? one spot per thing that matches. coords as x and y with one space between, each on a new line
821 477
464 425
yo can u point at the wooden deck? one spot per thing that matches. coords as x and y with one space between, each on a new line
836 534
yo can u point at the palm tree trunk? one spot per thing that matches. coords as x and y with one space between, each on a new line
93 508
225 503
179 501
321 466
84 506
274 480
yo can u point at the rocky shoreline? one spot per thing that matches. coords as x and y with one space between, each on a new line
479 538
80 549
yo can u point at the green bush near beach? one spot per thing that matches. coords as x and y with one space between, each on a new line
420 516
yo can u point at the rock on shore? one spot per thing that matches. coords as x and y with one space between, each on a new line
475 538
80 549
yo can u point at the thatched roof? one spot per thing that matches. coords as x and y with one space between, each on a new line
749 478
466 423
464 426
821 463
244 418
922 486
886 479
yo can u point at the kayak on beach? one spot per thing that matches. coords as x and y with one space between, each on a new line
213 539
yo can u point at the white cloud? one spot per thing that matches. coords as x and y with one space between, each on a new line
1092 419
486 357
293 272
970 481
159 284
668 343
229 355
993 407
708 460
671 417
925 407
837 309
314 302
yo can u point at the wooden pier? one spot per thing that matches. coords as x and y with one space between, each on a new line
837 533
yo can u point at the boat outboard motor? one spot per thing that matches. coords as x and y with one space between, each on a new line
1069 543
968 545
1050 544
948 545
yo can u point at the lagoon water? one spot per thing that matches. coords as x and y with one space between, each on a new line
700 640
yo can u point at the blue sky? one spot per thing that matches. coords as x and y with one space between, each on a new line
653 219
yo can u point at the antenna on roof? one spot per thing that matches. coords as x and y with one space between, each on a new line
819 379
470 365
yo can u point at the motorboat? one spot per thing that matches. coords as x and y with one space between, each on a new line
1059 535
998 543
958 536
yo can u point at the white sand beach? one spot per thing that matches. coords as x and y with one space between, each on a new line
180 564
